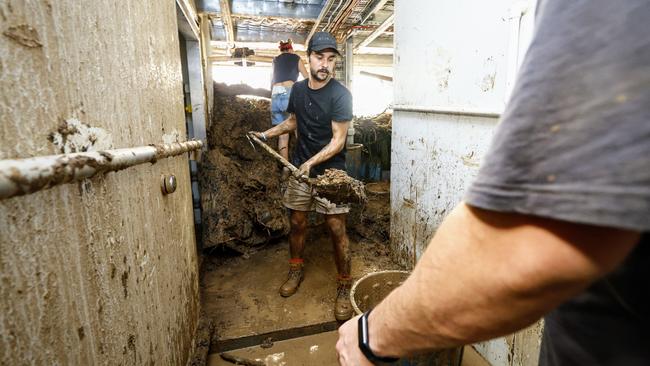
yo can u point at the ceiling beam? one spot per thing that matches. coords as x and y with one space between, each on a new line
377 32
322 14
380 4
376 76
226 18
255 58
358 60
276 9
187 20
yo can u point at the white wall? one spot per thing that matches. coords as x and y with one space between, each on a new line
455 63
370 95
434 157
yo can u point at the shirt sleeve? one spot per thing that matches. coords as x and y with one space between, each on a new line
574 141
342 108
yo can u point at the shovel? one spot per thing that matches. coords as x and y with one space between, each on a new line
340 191
274 154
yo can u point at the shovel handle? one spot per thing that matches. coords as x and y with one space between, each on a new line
273 153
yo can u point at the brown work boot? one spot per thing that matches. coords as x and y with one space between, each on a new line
296 274
343 306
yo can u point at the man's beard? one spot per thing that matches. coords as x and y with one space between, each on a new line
314 74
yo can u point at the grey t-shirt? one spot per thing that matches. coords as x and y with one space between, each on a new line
574 145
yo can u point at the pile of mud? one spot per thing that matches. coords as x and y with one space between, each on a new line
382 121
338 187
240 187
221 89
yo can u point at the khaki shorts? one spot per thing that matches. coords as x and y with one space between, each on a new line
300 196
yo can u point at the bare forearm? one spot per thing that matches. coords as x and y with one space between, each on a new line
479 279
332 148
285 127
303 70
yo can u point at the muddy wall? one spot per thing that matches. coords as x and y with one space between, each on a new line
103 271
453 74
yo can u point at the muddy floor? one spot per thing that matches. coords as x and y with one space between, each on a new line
240 293
318 349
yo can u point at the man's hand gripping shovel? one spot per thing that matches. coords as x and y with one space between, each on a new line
253 138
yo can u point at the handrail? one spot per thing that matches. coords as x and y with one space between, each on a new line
23 176
440 110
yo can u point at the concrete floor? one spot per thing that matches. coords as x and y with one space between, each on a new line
317 349
241 294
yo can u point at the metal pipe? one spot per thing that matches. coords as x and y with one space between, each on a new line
376 76
23 176
377 32
335 12
345 13
454 112
322 14
380 5
228 25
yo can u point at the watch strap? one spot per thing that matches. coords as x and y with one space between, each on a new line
364 342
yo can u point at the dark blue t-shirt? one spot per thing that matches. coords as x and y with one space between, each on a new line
315 111
285 67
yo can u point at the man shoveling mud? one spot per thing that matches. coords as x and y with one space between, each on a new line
321 109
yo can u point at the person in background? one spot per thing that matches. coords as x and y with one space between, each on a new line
286 67
557 223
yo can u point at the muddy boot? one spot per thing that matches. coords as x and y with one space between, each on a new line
343 306
296 274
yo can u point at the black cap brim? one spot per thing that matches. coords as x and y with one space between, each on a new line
321 48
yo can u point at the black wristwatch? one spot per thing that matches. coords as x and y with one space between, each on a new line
364 342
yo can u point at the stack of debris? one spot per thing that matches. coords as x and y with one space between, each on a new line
374 133
240 187
372 222
221 89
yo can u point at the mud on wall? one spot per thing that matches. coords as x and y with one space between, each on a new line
103 271
434 159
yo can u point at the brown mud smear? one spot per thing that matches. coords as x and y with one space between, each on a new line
25 35
338 187
372 221
240 187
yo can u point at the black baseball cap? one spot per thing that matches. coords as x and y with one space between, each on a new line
321 41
